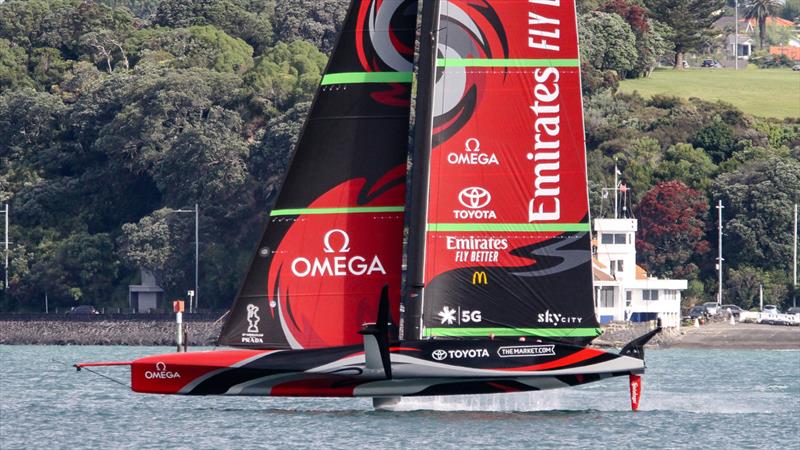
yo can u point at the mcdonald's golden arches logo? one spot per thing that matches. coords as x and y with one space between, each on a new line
480 277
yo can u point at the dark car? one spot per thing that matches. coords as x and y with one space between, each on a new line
82 310
712 63
697 312
793 310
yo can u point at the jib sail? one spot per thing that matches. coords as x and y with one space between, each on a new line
334 239
502 246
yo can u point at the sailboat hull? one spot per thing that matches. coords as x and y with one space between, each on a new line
418 368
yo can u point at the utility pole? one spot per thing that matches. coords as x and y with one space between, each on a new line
616 189
719 251
196 253
794 259
736 35
196 212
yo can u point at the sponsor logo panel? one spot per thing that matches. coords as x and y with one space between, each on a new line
161 373
557 319
253 334
458 316
526 351
472 155
337 262
441 354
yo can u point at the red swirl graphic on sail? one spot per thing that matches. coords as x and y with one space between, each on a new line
328 272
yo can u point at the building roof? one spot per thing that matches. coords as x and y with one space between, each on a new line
792 52
641 274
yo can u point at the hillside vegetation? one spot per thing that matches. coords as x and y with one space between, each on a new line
112 117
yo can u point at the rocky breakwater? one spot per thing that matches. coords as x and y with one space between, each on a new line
139 329
617 334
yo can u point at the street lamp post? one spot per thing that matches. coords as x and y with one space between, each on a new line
5 284
196 212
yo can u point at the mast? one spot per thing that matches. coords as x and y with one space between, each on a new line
794 258
426 80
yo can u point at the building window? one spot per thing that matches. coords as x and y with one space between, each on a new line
650 294
670 295
613 238
628 298
606 297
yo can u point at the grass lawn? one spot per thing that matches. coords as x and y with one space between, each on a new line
762 92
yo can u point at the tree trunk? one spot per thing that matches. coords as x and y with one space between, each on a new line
678 60
762 30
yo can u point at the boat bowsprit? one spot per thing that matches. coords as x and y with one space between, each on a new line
497 295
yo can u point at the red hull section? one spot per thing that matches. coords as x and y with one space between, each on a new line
418 367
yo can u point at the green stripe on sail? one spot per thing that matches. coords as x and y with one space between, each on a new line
541 332
351 210
500 62
366 77
509 227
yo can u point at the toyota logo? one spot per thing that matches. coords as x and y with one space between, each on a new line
474 197
439 354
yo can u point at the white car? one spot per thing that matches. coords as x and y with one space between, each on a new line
771 310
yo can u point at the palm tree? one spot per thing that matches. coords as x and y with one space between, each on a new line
760 10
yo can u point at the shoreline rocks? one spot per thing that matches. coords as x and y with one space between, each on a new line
104 332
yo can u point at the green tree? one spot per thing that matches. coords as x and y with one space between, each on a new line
287 74
689 165
607 42
244 19
758 197
690 20
13 71
760 10
315 21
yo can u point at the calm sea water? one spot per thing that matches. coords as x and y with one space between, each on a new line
691 399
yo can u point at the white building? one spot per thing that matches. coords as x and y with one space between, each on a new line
623 290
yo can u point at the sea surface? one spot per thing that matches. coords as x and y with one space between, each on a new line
716 399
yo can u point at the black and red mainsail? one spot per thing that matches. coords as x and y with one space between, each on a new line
335 236
500 243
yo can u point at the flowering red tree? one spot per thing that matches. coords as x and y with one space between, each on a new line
671 230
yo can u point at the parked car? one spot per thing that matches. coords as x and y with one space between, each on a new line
793 310
770 309
711 308
712 63
734 310
697 312
796 67
82 310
